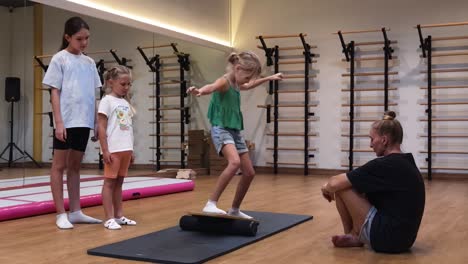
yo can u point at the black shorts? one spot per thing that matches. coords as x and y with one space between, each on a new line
77 139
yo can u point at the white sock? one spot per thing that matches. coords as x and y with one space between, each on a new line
79 217
211 208
236 212
62 221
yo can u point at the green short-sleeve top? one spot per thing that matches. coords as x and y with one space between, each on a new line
224 109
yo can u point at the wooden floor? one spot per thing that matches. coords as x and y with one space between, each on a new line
443 237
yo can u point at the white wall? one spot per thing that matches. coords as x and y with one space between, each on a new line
208 17
319 19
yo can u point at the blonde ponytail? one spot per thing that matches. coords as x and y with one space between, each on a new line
248 61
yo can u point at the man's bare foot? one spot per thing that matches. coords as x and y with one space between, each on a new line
347 240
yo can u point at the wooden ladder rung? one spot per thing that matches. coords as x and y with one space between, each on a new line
445 119
447 54
361 119
295 120
295 62
446 87
446 136
358 150
166 82
292 163
369 43
370 104
298 105
444 25
289 105
165 95
360 31
281 36
292 134
444 152
299 149
446 103
298 76
355 135
369 73
167 147
166 122
446 70
372 58
291 47
297 91
449 38
169 69
165 108
370 89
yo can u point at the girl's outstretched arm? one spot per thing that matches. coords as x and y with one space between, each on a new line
220 84
257 82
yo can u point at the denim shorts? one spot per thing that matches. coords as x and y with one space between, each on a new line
222 136
364 235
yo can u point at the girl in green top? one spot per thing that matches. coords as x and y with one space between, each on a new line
226 120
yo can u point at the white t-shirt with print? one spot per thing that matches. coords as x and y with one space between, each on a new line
77 78
119 123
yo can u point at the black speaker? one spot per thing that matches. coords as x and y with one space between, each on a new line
12 89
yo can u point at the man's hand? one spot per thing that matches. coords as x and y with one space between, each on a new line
95 137
326 194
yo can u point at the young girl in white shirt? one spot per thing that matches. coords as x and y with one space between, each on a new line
73 80
116 138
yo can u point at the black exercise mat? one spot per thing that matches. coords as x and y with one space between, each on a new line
175 246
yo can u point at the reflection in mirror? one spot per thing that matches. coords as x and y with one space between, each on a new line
13 114
110 44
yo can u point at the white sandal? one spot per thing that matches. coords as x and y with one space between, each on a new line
112 224
125 221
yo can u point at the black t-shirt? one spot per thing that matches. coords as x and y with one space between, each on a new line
393 184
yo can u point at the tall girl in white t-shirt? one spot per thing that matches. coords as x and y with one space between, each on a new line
73 79
116 138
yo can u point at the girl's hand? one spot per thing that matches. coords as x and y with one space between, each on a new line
106 156
132 160
60 132
278 76
95 137
193 90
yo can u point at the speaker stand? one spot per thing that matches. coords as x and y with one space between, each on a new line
12 145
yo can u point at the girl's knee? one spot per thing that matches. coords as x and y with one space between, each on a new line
248 174
59 168
108 182
234 163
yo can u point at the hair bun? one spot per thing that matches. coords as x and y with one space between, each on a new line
233 58
389 115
